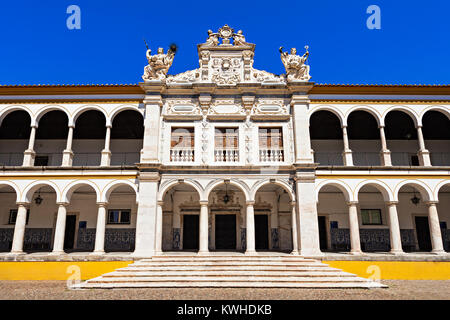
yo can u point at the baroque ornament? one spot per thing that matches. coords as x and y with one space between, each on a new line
158 64
296 67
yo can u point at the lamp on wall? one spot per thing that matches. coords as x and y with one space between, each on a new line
415 200
226 198
38 199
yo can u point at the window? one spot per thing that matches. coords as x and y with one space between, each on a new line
119 216
182 145
371 217
271 138
13 216
226 145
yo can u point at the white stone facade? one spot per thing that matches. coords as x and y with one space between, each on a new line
295 190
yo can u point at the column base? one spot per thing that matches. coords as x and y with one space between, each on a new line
16 253
57 253
142 255
97 253
106 158
294 253
28 158
385 157
250 253
203 253
424 158
397 252
67 160
348 158
356 253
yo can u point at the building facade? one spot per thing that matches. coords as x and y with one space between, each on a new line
225 157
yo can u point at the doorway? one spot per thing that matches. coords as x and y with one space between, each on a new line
69 235
423 233
323 233
261 232
190 232
225 232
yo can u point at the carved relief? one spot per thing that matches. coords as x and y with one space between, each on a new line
181 107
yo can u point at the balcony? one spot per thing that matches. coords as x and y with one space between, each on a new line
182 155
271 155
226 155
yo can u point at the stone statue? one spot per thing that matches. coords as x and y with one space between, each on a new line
296 68
239 39
158 64
213 39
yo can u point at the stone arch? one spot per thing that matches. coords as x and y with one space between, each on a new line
440 109
72 187
110 187
277 182
166 186
381 186
5 112
414 116
234 182
13 186
331 109
81 110
424 189
342 186
125 107
439 187
378 117
42 112
27 195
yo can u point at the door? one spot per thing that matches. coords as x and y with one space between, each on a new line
261 232
69 236
225 232
323 233
190 232
423 233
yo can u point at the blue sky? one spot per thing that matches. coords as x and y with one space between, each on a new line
412 47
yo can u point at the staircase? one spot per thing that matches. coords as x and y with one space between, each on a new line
222 271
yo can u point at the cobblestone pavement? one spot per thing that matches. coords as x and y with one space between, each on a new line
57 290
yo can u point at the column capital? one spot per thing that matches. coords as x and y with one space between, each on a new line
250 203
352 203
293 203
204 203
160 203
102 204
62 204
391 203
431 203
23 204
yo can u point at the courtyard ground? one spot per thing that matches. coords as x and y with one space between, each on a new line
57 290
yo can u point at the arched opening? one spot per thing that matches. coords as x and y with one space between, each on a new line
41 222
227 218
436 132
121 213
414 219
89 138
443 208
51 137
180 223
401 137
14 135
364 138
273 219
373 219
127 136
8 214
326 138
333 213
81 219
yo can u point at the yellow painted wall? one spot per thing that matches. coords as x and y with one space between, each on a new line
395 270
57 270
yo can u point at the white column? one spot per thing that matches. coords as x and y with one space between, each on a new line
150 150
30 154
435 229
60 230
354 228
347 154
203 234
294 228
250 228
68 153
394 229
300 119
100 229
159 228
106 153
19 229
423 154
385 154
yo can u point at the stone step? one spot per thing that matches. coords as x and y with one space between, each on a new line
222 278
226 268
202 258
231 273
229 263
321 285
